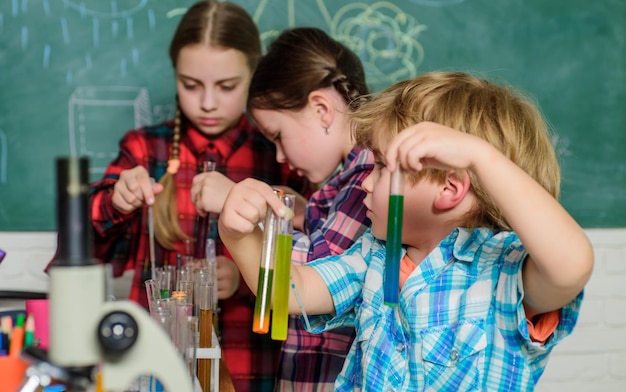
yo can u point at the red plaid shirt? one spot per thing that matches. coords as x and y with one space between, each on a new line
122 240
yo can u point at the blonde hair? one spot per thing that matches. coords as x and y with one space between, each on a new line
214 24
501 115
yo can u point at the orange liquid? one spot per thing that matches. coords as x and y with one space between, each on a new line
262 304
205 326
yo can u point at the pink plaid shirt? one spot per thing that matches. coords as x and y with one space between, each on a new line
335 218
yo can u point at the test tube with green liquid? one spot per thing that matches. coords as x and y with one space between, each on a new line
391 279
263 302
282 269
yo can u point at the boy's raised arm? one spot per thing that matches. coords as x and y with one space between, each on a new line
560 257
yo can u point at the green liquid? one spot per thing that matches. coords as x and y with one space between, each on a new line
393 249
280 315
261 321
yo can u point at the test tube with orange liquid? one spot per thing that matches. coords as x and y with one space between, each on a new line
263 302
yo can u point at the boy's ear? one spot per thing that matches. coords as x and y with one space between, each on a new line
322 106
453 190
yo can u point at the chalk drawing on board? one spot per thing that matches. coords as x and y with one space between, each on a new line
561 145
162 113
98 118
383 36
106 9
3 157
436 3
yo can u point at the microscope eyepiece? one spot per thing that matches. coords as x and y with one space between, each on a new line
73 218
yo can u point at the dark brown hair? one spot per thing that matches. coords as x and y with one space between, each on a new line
300 61
214 24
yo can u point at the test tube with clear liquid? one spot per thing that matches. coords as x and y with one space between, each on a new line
203 225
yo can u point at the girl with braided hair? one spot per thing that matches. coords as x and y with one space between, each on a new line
301 96
214 52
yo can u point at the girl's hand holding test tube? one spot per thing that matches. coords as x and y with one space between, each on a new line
134 189
209 190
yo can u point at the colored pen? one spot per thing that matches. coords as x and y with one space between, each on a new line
6 325
393 250
282 270
17 336
29 331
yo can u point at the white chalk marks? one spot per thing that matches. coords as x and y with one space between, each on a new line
90 136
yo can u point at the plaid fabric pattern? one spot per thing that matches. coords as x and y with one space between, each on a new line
459 325
122 240
335 218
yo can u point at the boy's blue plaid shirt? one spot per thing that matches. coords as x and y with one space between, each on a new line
460 324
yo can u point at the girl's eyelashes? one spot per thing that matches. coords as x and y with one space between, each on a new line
228 87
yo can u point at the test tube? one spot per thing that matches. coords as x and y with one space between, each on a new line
203 223
211 259
205 326
262 304
164 280
393 250
282 271
152 292
187 261
151 239
187 328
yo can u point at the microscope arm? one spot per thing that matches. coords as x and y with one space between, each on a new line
151 353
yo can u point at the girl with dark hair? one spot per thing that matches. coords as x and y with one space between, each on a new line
301 96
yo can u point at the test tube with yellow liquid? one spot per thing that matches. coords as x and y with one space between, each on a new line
394 238
282 282
263 302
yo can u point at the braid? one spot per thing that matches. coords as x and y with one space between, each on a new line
166 227
351 95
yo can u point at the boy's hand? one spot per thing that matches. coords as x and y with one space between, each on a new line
245 206
133 189
431 145
209 191
299 206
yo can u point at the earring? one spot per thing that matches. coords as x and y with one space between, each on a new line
327 130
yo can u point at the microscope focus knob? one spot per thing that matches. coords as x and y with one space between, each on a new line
117 332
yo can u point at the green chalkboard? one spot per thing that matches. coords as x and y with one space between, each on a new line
76 74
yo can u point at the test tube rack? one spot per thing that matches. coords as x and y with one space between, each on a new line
215 354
